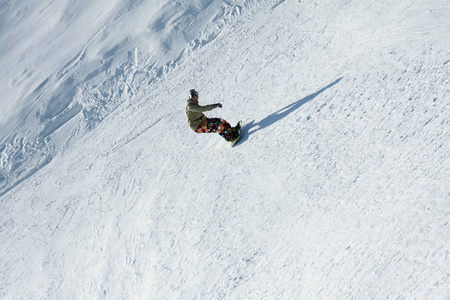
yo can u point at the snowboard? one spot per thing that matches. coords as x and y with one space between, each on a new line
239 133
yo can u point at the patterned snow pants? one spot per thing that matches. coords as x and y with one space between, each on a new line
216 125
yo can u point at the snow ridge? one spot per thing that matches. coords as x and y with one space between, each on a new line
89 90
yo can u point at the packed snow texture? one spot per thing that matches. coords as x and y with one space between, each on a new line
339 187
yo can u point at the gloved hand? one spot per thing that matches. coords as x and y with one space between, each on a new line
217 105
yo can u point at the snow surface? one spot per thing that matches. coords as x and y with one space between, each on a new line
339 187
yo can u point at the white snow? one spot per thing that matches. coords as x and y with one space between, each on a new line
338 189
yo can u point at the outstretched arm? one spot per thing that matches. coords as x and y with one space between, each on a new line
199 108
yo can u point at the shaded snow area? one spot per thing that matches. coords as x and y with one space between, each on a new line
339 187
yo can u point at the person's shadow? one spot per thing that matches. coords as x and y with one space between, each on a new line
253 127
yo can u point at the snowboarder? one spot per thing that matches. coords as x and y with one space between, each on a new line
200 123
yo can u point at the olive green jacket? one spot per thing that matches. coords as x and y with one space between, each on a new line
194 113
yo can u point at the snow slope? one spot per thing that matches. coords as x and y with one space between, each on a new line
339 187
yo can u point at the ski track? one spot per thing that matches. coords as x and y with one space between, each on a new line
338 188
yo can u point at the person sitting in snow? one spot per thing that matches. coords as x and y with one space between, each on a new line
200 123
